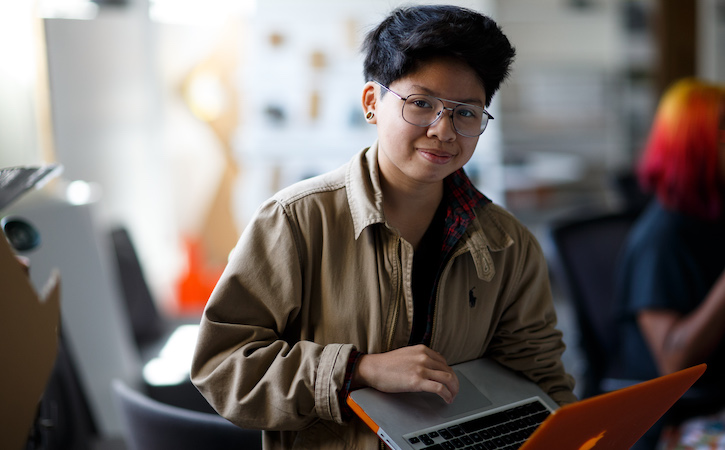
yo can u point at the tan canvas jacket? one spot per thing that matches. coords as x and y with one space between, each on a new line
318 273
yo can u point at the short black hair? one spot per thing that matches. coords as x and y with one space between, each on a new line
412 35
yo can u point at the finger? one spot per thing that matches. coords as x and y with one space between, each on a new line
438 365
439 389
438 370
448 378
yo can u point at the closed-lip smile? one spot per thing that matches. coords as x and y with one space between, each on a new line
435 156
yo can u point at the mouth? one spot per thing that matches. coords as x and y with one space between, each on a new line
435 156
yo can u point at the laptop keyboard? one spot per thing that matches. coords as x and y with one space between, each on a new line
507 430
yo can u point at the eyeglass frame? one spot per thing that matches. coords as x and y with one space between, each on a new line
440 113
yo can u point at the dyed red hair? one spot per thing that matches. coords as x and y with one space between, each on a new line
681 163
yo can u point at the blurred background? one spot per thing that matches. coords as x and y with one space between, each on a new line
174 119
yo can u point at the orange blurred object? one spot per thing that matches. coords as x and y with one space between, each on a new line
195 286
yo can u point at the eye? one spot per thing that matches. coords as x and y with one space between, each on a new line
468 112
421 102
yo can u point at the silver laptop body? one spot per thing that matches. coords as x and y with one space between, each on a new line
407 420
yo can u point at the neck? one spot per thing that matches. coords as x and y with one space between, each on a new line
411 208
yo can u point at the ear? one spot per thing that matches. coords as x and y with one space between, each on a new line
369 100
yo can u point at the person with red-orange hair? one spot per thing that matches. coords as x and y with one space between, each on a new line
671 280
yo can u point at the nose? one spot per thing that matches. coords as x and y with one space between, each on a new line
443 129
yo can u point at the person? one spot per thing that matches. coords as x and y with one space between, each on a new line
388 270
671 281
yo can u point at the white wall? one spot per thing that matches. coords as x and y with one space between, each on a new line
108 120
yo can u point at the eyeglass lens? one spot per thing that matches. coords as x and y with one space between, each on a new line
423 110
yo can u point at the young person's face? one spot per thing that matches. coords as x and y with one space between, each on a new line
415 155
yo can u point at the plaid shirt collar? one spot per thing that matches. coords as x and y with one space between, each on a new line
462 198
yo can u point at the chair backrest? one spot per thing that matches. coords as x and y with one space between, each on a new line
587 252
151 425
146 322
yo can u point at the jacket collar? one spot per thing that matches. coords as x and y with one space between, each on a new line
364 194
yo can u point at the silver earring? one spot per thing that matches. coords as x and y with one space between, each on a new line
369 115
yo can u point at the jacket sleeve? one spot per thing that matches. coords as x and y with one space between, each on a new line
250 362
526 339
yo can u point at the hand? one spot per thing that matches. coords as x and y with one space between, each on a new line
407 369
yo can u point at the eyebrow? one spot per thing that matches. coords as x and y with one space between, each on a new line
472 101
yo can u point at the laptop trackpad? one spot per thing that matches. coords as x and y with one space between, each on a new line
469 398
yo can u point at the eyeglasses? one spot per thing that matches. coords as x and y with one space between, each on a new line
424 110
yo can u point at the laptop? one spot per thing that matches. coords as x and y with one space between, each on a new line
498 408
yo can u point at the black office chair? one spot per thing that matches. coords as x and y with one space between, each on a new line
587 249
152 425
147 324
150 328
